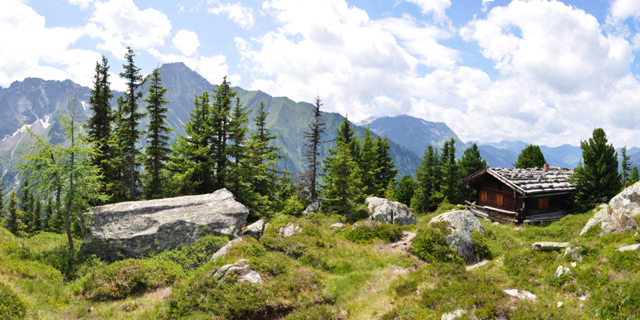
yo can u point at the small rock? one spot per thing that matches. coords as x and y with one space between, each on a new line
632 247
560 304
561 271
520 294
255 229
128 306
477 265
573 252
574 264
549 246
290 230
251 277
385 210
496 223
337 225
242 269
582 298
453 315
312 208
223 251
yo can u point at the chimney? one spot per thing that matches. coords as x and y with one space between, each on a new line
546 167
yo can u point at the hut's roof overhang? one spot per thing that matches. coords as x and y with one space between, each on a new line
533 182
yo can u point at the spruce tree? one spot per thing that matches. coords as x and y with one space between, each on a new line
13 218
342 191
346 135
427 182
158 148
27 205
385 168
37 216
192 163
625 165
312 153
220 121
449 188
98 127
405 189
597 179
1 197
368 163
530 157
470 163
48 221
633 177
128 133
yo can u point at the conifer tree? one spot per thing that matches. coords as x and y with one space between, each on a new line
530 157
404 191
128 133
192 163
597 179
27 205
368 163
341 192
158 149
220 118
625 165
427 182
1 197
48 221
98 126
449 188
470 163
312 153
633 177
13 218
346 135
385 168
37 216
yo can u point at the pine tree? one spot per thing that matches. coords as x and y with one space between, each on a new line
597 179
625 165
427 182
98 127
633 177
405 189
13 218
220 121
158 149
368 163
470 163
449 188
27 205
341 192
530 157
385 168
128 133
312 153
192 163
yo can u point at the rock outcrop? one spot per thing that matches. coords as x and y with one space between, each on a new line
461 224
627 201
611 221
289 230
255 229
394 212
137 229
223 251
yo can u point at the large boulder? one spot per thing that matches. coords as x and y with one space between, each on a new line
611 221
461 224
385 210
627 201
137 229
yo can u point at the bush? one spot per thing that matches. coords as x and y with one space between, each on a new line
617 300
293 206
481 245
319 312
194 255
431 246
626 260
29 269
11 305
123 278
371 231
72 264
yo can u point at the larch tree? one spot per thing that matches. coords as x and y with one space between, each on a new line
98 126
530 157
385 168
128 133
312 153
625 166
158 148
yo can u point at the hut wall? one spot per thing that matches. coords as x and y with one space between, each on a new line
494 188
556 203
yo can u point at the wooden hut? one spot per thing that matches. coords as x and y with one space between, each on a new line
520 195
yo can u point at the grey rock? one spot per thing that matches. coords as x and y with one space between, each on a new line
454 315
137 229
520 294
573 252
632 247
394 212
251 277
461 224
242 271
337 225
289 230
255 229
561 271
611 221
549 246
312 208
223 251
627 201
477 265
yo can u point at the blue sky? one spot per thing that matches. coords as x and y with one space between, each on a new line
545 72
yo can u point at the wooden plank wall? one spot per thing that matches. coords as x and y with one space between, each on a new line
556 203
494 187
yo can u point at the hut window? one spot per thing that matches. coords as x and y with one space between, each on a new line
483 196
543 203
500 200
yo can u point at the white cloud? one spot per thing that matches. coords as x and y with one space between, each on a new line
186 41
237 13
485 4
83 4
623 9
45 54
119 23
436 6
212 68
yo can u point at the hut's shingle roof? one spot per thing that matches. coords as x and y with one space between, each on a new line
531 181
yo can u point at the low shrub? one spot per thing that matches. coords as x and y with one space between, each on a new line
617 300
309 246
371 231
481 245
626 260
72 264
431 246
192 256
316 312
29 269
124 278
11 305
527 264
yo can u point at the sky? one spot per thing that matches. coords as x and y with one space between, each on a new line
543 72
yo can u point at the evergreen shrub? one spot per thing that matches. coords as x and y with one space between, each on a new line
481 245
626 260
29 269
11 305
371 231
192 256
430 244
